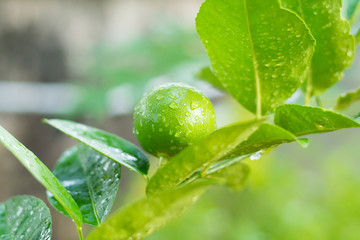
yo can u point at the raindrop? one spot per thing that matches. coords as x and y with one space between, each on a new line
194 105
173 105
256 156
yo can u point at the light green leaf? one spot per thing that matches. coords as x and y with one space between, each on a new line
142 218
201 154
91 178
347 99
230 173
42 174
207 74
259 52
335 45
112 146
302 120
25 217
266 136
351 9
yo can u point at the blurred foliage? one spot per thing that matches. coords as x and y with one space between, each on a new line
156 52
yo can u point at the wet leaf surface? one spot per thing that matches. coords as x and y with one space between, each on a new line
335 46
259 58
91 178
42 174
25 217
302 120
112 146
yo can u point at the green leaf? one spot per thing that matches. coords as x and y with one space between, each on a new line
357 37
25 217
207 74
142 218
266 136
42 174
112 146
335 45
91 178
230 173
351 9
201 154
347 99
259 52
302 120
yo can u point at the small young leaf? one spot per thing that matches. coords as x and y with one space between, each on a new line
335 45
207 74
230 173
91 178
42 174
351 9
347 99
142 218
302 120
266 136
206 151
25 217
259 52
112 146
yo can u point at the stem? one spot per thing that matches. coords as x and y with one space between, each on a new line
79 229
146 178
308 89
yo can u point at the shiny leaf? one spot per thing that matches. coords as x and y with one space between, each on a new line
140 219
42 174
25 217
347 99
334 49
200 155
259 52
112 146
302 120
91 178
266 136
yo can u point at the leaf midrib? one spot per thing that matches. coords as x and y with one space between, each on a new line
255 63
91 193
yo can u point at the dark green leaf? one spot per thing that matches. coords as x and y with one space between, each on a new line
266 136
347 99
200 155
230 173
259 52
140 219
335 45
91 178
302 120
25 217
42 174
112 146
207 74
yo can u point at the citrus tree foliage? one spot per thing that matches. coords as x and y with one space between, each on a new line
261 52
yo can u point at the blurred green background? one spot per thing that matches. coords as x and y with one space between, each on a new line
91 61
